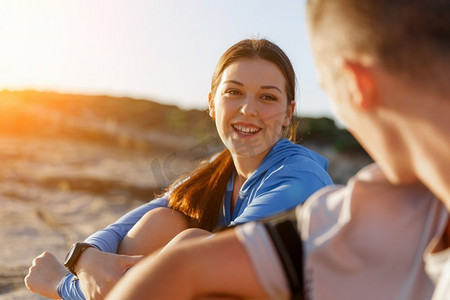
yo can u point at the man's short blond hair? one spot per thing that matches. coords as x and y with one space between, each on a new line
409 37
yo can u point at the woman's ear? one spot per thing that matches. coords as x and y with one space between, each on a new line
289 113
212 112
361 84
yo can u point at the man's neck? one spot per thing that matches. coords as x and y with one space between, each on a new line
428 134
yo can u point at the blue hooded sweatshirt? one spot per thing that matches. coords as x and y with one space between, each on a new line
286 177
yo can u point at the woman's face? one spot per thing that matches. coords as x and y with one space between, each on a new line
250 107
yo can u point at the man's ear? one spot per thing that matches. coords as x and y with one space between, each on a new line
361 83
212 112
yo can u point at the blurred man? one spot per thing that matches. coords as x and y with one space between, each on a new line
386 235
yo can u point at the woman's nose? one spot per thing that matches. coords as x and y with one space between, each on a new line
248 107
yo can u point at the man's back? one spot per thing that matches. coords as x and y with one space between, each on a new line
362 241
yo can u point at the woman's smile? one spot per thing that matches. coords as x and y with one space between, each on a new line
245 130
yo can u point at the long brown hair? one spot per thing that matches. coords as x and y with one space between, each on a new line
200 195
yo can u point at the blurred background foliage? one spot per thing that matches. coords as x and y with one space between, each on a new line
132 122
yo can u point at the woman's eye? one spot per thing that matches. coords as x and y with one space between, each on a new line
269 97
232 92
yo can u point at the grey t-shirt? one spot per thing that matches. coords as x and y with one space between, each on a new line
366 240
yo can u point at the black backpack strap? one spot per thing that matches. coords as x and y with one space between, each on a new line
283 231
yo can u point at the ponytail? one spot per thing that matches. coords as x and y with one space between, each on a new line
200 197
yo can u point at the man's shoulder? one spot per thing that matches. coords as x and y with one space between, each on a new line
367 195
370 185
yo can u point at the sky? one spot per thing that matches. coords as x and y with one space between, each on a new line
161 50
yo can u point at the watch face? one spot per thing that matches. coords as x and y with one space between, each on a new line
70 253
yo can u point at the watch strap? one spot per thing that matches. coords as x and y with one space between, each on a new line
74 255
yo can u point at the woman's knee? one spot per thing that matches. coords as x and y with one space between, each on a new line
153 231
165 215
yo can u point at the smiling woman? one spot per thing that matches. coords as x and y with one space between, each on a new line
258 174
252 100
252 109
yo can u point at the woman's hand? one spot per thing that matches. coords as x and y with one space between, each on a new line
99 271
44 275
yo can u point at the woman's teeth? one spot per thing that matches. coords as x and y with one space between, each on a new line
246 130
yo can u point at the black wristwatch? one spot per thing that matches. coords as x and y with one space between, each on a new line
74 254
